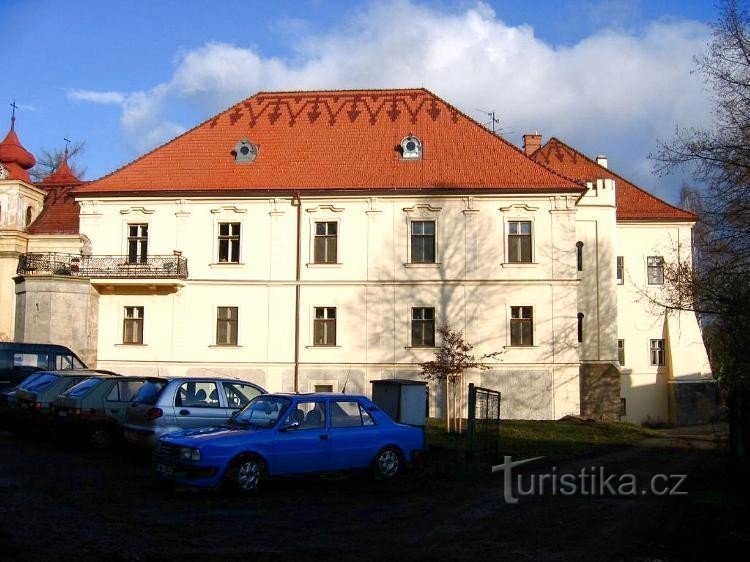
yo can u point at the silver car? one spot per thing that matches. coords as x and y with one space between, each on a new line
163 406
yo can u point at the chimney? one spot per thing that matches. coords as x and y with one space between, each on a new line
531 143
602 160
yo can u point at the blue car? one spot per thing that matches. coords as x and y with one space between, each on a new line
285 434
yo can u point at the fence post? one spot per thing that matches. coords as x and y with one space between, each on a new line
471 425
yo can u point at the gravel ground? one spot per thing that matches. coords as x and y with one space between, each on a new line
57 503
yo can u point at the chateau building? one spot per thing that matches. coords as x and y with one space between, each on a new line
318 240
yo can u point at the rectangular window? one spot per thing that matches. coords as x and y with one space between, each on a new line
324 326
423 241
655 270
657 352
519 242
229 242
621 352
226 325
132 330
326 242
521 325
423 327
620 270
137 243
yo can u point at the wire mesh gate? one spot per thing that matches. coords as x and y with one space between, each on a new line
483 429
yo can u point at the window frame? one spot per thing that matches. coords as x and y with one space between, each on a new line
658 268
229 322
136 246
426 343
620 270
229 239
325 237
579 256
657 352
621 352
422 236
521 321
133 320
509 244
325 321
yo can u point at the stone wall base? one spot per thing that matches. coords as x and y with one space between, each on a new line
600 390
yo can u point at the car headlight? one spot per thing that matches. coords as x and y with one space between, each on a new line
188 454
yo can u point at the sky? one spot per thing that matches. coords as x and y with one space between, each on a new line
606 76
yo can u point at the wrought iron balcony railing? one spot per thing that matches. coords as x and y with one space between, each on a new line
150 267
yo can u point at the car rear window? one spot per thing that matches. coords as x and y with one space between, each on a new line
40 383
82 388
149 392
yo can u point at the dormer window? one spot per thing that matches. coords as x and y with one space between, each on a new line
411 148
245 152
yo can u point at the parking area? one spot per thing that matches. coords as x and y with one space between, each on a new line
57 503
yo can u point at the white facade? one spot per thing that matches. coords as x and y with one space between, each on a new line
373 286
644 327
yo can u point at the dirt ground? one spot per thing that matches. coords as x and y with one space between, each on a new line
57 503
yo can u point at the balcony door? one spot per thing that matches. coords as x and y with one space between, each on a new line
137 243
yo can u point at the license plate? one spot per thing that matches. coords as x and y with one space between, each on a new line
130 436
62 412
165 469
23 405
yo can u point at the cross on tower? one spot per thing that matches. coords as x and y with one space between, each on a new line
13 115
67 143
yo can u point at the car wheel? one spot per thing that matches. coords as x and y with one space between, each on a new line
246 474
387 464
100 438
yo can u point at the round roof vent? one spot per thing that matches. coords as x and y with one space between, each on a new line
411 148
245 152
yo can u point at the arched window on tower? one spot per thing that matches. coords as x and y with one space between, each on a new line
580 327
579 255
29 215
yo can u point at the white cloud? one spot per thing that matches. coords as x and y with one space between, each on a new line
614 91
97 97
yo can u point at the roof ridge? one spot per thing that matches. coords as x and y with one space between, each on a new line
618 176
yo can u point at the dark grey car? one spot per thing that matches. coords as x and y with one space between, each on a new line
165 406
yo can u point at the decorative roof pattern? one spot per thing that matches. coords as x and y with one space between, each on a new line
633 203
335 140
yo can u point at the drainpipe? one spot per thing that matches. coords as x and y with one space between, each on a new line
297 202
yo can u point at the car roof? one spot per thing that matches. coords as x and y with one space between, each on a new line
84 373
35 346
318 395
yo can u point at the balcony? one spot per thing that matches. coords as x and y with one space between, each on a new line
102 267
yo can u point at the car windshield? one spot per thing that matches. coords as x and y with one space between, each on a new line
41 382
263 411
82 388
149 392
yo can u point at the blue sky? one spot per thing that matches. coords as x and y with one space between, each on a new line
607 76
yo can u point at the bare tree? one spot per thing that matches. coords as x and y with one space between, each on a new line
452 359
50 159
717 284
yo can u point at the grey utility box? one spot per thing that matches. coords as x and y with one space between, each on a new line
403 400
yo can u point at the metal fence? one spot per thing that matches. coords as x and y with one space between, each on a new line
50 263
483 429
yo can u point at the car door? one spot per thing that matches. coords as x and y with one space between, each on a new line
304 447
237 395
197 404
355 439
119 396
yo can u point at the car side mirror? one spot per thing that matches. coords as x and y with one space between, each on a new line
290 426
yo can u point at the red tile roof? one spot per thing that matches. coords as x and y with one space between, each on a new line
16 159
335 140
633 203
60 213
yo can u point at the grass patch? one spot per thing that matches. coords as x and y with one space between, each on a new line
555 440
